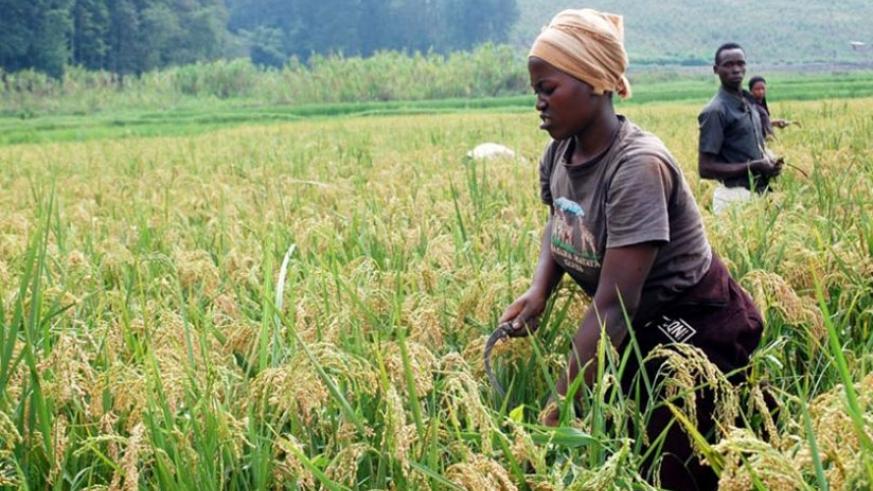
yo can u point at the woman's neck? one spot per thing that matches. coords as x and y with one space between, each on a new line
596 137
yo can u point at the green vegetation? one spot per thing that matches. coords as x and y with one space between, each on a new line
304 305
489 70
156 107
204 117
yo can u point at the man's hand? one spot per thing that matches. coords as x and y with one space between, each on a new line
767 166
777 166
524 311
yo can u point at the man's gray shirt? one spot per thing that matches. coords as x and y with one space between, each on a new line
731 130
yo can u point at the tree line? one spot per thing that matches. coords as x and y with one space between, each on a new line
135 36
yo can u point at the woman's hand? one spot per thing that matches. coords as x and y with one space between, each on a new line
780 123
524 312
551 413
551 416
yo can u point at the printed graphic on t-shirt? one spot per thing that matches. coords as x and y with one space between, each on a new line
572 242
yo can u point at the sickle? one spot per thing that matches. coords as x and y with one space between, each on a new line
501 332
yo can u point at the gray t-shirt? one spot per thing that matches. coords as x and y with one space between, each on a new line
633 193
730 129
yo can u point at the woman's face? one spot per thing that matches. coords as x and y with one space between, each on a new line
566 104
759 91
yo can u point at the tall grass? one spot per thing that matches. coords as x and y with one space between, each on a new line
487 71
142 342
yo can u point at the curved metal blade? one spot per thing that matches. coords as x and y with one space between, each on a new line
501 332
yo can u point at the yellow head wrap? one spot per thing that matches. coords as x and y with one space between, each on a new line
588 45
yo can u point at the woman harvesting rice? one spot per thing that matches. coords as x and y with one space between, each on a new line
625 227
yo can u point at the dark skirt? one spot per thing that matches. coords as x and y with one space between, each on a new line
717 316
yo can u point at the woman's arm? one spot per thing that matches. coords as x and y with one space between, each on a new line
532 302
622 276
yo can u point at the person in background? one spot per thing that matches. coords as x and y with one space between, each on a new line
758 90
731 147
624 226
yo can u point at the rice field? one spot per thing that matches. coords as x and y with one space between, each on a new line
304 305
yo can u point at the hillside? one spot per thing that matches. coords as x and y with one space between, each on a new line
688 31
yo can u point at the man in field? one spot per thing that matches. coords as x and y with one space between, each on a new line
731 148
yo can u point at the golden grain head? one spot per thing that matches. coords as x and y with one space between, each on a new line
683 368
771 291
131 462
460 399
421 364
756 394
344 467
524 450
287 465
9 435
480 473
605 476
68 371
196 269
746 455
60 439
422 319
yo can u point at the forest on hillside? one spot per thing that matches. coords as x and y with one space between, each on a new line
135 36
